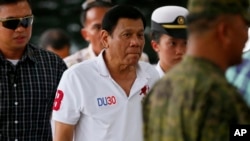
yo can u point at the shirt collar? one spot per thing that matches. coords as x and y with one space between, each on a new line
103 70
159 69
29 53
91 51
205 64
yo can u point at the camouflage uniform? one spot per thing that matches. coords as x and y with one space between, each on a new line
193 102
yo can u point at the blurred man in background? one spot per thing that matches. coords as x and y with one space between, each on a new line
56 41
91 19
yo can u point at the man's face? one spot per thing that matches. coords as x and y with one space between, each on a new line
239 36
63 52
126 43
93 26
170 50
14 39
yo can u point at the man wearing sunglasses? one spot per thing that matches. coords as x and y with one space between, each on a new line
28 77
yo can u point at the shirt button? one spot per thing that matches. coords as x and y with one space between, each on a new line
16 122
14 85
16 103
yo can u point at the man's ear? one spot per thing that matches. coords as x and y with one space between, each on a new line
224 34
84 34
155 46
104 38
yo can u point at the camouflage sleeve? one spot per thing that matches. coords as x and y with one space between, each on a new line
226 108
153 109
241 109
198 115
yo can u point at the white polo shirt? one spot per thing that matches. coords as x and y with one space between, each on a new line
90 99
159 69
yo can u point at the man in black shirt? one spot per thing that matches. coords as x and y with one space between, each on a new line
28 77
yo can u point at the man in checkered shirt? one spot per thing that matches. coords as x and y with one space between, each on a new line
28 77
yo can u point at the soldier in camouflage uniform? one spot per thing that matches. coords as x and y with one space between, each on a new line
194 101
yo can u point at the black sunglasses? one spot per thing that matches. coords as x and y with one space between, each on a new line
13 23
